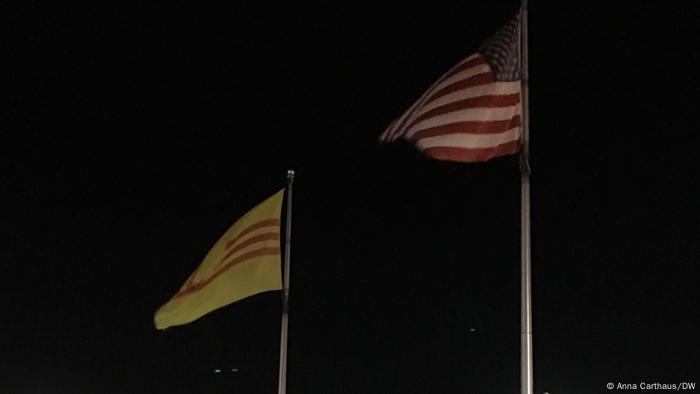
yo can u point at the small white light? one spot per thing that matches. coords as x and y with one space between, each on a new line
472 329
217 370
234 369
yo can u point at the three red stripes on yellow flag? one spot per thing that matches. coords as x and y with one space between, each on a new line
245 261
471 113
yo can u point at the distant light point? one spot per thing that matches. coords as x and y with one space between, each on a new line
234 369
472 329
217 370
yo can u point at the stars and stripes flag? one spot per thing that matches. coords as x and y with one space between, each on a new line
472 113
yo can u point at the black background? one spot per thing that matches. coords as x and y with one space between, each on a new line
135 135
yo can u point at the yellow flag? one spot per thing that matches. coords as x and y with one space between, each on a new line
244 262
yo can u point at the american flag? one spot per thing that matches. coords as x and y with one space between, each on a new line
472 113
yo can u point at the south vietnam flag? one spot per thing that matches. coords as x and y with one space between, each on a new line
244 262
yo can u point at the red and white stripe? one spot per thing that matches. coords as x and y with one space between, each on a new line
467 115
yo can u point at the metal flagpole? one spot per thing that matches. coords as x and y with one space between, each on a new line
282 383
526 371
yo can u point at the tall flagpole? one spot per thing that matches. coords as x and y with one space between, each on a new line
526 370
282 383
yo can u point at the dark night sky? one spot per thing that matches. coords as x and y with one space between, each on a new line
137 135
